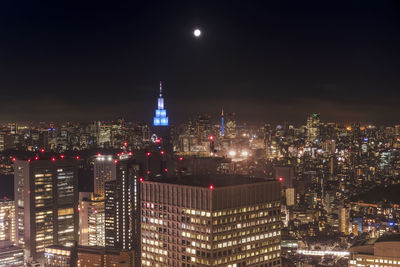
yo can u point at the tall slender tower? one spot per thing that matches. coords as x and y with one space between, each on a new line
222 123
161 118
161 125
122 209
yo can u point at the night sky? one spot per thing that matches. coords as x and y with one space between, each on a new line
268 61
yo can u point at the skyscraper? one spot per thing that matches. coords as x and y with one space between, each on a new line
10 255
210 221
313 127
104 170
222 123
91 220
122 209
161 118
7 222
46 201
161 125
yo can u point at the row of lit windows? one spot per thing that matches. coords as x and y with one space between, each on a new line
245 218
246 232
371 260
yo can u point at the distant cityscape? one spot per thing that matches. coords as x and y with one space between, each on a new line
209 192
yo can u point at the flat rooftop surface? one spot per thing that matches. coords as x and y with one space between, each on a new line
206 181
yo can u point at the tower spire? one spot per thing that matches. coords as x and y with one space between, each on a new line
161 118
222 123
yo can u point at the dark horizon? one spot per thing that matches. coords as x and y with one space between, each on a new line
270 62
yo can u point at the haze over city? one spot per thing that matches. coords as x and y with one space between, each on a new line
96 60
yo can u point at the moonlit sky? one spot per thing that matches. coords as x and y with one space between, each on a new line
268 61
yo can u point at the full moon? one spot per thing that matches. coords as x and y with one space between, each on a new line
197 33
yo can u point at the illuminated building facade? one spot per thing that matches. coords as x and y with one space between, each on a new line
313 127
104 170
7 222
91 220
122 208
211 221
104 257
46 202
230 129
11 256
59 256
161 118
379 252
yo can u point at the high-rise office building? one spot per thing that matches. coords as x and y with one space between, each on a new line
122 208
59 256
46 201
379 252
11 256
7 222
313 127
91 220
104 170
290 196
210 221
230 129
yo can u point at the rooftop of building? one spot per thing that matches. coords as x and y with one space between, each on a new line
389 238
366 246
208 180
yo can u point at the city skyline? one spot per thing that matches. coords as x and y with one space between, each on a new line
199 134
263 61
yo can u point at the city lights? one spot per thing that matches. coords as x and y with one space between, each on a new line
273 138
245 153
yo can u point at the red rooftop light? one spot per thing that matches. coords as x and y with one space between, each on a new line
53 159
211 187
180 158
130 153
36 158
42 150
162 152
29 160
125 143
62 156
14 159
211 137
77 157
280 179
165 169
148 172
148 154
115 161
141 179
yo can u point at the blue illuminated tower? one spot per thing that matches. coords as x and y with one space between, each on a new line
161 118
222 123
